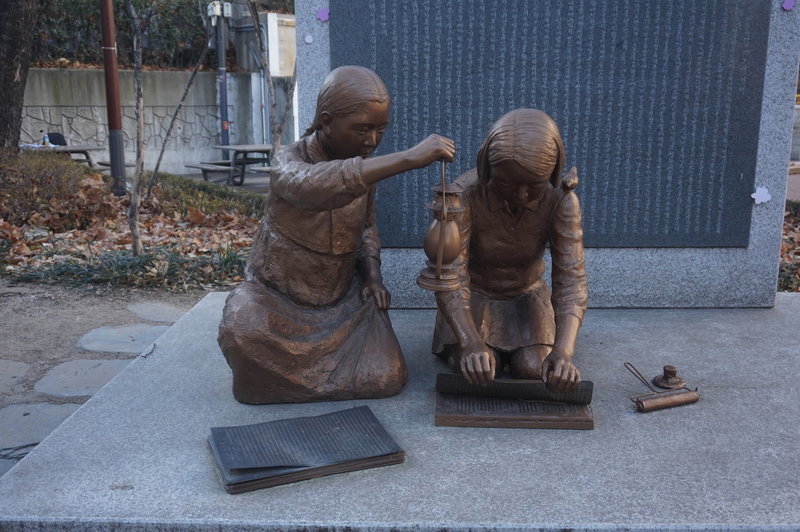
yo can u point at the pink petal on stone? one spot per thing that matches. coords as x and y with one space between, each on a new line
324 14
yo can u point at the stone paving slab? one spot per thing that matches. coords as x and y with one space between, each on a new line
135 456
23 426
31 423
6 465
11 372
125 339
156 311
79 377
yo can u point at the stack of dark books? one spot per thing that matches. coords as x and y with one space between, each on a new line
267 454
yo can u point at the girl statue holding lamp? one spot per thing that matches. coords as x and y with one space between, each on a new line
309 323
502 312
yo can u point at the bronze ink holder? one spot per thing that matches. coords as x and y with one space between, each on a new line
442 241
659 399
669 380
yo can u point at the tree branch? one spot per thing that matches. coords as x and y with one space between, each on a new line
154 175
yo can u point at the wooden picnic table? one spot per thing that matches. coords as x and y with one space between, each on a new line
235 166
244 155
76 149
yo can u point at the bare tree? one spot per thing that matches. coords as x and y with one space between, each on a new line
18 17
276 123
138 22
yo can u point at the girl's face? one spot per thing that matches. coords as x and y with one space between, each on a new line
357 133
516 185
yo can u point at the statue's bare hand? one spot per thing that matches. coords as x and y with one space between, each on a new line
478 366
559 372
374 288
433 148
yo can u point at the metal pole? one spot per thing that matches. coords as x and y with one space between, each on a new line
222 82
116 147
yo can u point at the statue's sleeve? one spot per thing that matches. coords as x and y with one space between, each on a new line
570 295
462 296
316 186
370 240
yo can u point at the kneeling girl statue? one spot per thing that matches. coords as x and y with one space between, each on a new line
502 312
309 323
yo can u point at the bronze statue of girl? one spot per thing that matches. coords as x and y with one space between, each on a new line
503 312
309 323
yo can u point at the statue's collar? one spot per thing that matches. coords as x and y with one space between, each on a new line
314 151
497 203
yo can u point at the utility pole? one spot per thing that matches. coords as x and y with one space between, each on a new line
116 147
218 12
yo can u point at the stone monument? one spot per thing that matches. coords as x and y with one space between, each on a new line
690 106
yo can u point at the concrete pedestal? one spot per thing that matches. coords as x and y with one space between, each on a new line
135 456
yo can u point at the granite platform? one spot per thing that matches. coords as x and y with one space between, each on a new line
135 457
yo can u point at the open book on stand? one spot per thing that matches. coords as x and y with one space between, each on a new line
267 454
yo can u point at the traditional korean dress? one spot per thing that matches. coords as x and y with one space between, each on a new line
298 329
501 265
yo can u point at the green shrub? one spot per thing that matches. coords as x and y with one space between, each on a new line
70 29
793 208
158 267
789 273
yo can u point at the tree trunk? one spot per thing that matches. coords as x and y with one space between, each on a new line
18 17
276 124
281 125
136 186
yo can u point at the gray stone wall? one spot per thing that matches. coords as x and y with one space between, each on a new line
72 102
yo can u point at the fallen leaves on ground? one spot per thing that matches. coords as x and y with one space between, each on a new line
45 240
211 238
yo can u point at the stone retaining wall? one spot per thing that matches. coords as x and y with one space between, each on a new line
72 102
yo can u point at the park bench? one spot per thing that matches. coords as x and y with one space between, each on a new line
233 176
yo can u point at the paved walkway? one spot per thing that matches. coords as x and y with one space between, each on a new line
23 426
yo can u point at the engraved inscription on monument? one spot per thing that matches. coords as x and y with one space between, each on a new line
670 90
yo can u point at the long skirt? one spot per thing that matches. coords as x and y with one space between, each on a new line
504 324
282 352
